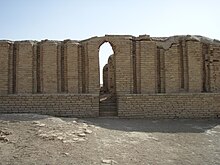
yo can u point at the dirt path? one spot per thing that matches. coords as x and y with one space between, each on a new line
35 139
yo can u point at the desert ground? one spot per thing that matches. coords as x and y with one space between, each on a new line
30 139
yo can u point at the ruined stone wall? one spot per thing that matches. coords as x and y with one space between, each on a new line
142 68
203 105
111 74
82 105
105 79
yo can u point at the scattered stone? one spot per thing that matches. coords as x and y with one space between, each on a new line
68 141
81 140
41 125
82 135
36 122
87 131
5 132
84 125
60 138
66 153
109 161
4 139
74 122
44 136
75 139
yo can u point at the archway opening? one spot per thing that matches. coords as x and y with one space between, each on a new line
107 103
105 54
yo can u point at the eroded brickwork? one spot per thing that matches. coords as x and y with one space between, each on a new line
109 76
147 75
51 104
169 106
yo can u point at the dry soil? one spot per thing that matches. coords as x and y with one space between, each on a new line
30 139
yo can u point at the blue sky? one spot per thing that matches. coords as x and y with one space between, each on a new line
81 19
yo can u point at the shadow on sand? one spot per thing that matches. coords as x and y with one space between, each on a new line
130 125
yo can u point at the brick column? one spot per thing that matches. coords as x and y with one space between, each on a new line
4 57
195 66
71 50
148 66
215 68
24 67
49 66
123 66
93 68
172 80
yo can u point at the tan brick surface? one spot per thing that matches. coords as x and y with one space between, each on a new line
172 66
148 67
169 106
24 67
195 66
49 66
174 77
4 57
72 66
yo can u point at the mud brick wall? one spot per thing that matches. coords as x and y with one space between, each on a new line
81 105
111 74
24 62
71 52
215 68
169 106
195 66
49 66
105 78
172 74
147 65
177 76
4 68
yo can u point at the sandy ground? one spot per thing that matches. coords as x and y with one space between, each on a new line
36 139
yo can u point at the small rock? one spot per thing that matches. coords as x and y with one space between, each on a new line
60 138
41 125
44 136
75 139
81 140
4 138
66 153
84 125
108 161
68 141
82 135
36 122
74 122
5 132
88 131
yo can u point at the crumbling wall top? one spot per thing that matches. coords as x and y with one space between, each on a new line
166 42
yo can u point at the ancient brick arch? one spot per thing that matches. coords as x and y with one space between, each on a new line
166 77
119 45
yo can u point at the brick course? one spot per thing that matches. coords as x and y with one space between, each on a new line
81 105
169 105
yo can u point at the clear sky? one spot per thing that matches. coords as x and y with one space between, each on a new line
82 19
